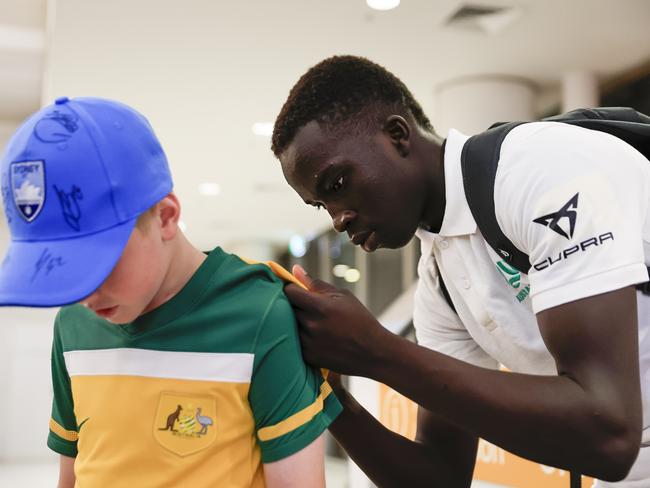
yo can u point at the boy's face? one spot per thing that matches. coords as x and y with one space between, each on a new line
134 282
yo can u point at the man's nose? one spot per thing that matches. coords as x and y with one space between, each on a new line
342 219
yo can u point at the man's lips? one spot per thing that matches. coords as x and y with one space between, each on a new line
371 244
367 240
359 238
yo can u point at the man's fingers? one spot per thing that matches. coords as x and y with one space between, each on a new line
312 284
302 275
300 298
301 318
318 286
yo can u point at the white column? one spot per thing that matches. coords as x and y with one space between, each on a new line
579 90
472 104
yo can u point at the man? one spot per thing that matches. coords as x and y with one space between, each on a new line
352 139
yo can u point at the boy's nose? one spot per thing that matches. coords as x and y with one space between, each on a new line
89 300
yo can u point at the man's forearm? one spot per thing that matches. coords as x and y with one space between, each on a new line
390 459
550 419
588 418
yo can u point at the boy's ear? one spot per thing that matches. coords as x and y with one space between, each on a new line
398 131
168 213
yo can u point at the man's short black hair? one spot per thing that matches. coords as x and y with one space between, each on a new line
344 92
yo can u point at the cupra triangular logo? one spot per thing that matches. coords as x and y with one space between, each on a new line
568 211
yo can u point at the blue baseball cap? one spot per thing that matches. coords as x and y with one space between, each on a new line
75 177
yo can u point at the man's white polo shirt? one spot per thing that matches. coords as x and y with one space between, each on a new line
577 202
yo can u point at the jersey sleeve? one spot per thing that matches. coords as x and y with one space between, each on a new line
291 402
63 433
437 326
576 201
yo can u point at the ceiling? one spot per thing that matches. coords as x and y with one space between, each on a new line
204 71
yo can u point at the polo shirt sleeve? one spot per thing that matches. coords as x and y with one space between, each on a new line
437 326
575 200
292 403
63 432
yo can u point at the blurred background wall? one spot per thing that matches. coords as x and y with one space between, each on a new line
211 75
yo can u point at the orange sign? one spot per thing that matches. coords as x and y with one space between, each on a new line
493 464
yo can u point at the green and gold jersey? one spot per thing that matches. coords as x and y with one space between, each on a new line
198 392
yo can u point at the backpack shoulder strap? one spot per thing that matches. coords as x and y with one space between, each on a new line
625 123
479 162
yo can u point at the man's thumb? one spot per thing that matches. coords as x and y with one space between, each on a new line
310 283
302 276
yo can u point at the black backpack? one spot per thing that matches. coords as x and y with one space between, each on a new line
480 159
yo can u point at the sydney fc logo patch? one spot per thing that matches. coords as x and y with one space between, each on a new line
28 188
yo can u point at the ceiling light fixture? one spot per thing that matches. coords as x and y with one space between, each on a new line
209 189
383 4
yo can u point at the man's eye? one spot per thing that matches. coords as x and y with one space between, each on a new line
338 184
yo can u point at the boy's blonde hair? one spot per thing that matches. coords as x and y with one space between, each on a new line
145 218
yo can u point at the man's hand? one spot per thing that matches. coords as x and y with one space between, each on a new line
337 332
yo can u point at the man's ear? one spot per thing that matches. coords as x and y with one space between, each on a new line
398 131
168 213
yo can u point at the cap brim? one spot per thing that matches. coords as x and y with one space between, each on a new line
60 272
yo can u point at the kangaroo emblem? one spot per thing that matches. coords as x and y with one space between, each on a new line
171 419
190 427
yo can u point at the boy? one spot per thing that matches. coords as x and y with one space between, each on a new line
174 369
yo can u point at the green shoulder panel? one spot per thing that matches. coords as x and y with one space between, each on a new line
291 402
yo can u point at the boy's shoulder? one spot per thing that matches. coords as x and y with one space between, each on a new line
257 280
246 269
250 292
231 291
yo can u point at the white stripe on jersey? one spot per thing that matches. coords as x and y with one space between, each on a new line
202 366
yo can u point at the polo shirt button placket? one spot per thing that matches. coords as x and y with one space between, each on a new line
466 283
